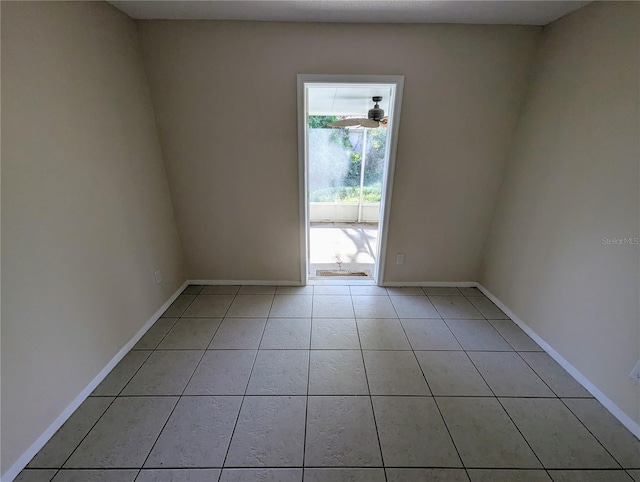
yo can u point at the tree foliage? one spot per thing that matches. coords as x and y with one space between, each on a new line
351 142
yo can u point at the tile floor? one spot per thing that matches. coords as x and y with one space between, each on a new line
356 243
337 383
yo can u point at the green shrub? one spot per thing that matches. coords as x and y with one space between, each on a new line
347 194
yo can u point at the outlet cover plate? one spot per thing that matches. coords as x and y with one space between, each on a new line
635 373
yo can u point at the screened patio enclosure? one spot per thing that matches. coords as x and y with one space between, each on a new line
346 168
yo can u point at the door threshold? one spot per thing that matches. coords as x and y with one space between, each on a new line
340 282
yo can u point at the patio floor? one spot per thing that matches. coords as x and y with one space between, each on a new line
355 244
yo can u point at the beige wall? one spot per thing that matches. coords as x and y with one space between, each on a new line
225 100
86 212
573 179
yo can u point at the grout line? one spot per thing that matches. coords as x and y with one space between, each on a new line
347 395
435 401
332 467
183 390
121 390
244 396
309 350
306 404
509 415
592 434
373 412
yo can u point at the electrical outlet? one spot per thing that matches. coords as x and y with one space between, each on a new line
158 276
635 373
400 258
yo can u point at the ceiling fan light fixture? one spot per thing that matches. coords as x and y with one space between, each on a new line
375 118
376 113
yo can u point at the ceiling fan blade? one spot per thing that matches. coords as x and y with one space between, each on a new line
369 123
345 123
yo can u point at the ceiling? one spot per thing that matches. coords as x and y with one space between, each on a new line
359 11
354 100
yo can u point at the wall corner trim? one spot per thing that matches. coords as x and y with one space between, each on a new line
622 417
458 284
239 282
13 471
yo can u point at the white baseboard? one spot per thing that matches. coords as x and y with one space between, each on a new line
457 284
624 419
239 282
40 442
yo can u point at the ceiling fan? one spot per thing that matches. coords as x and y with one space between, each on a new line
375 118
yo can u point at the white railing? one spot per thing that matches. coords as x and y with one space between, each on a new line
343 212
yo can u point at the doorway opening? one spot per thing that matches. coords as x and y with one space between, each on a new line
347 154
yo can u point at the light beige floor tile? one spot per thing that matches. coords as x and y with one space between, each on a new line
178 307
125 434
332 306
269 433
280 372
178 475
619 441
394 373
478 335
220 290
291 306
337 372
429 334
35 475
63 443
341 432
238 334
222 372
405 291
96 475
430 475
508 475
471 291
414 307
508 375
487 308
373 307
563 384
113 384
192 290
190 333
344 475
166 372
556 435
154 335
368 291
451 373
331 290
294 290
590 476
334 334
455 307
197 434
441 290
286 334
484 434
250 306
209 306
517 338
257 290
261 475
412 433
382 334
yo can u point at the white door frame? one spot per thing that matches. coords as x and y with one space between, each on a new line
305 81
